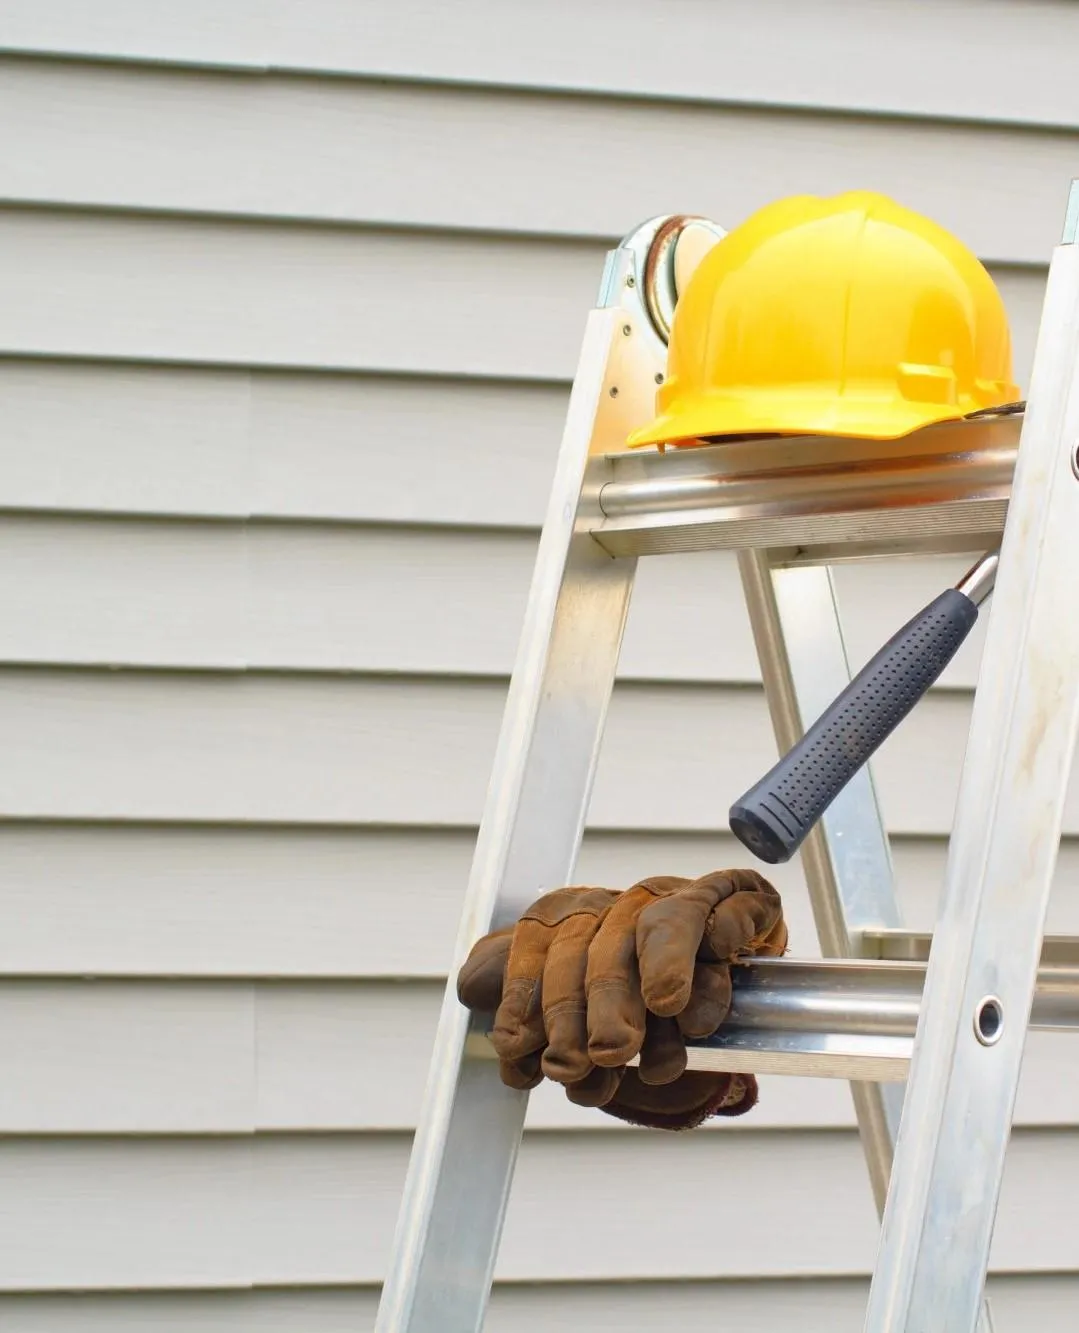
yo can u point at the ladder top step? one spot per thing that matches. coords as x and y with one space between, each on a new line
816 499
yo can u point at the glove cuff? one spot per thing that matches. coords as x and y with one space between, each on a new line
685 1104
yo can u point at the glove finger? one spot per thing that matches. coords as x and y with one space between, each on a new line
518 1027
479 982
669 933
709 1000
741 1096
774 943
596 1088
663 1055
479 988
616 1011
746 918
565 1009
523 1075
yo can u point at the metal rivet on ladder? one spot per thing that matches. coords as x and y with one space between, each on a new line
627 329
989 1021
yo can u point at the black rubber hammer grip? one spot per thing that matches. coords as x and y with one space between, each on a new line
773 818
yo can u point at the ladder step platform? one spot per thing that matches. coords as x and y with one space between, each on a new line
828 500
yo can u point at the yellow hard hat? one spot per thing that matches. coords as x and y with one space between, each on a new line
841 316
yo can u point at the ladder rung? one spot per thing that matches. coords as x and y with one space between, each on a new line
844 1018
820 500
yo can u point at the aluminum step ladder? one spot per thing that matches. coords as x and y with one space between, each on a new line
942 1028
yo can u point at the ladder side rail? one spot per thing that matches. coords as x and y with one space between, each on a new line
470 1127
794 614
949 1160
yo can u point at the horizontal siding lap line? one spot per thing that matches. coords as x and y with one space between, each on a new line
208 668
371 224
390 227
267 1287
469 828
813 1305
403 374
615 1283
609 94
381 225
335 370
273 983
255 520
255 517
587 1139
324 51
30 54
408 676
431 983
377 1131
464 828
269 826
12 661
448 825
223 518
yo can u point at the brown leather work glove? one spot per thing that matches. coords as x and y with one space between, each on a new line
589 978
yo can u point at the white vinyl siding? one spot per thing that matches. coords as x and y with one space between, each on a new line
291 296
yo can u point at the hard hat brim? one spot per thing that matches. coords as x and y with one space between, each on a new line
782 414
